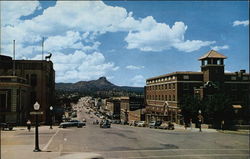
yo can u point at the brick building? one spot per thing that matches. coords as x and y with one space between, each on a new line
20 88
131 108
163 94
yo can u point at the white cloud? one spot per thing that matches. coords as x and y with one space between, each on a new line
217 48
189 46
244 23
87 20
11 11
133 67
75 26
138 81
81 66
162 37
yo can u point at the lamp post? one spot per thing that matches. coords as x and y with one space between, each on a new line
51 112
200 119
36 108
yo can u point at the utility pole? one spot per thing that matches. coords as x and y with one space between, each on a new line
14 58
42 47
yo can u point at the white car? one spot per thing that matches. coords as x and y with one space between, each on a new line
141 124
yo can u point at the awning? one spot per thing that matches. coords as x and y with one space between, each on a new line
237 106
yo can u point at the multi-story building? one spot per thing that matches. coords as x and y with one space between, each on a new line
23 82
113 107
131 108
163 94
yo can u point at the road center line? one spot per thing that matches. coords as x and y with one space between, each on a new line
47 145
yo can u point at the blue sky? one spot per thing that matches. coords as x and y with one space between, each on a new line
126 41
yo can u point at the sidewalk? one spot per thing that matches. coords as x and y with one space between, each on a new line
20 143
182 128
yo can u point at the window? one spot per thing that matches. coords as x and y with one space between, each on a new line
169 97
185 77
245 78
173 97
173 86
28 78
3 101
162 97
166 86
169 86
233 86
185 86
233 77
33 79
166 97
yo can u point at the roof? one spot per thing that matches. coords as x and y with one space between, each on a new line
176 73
212 54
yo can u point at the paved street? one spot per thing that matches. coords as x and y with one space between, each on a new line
121 141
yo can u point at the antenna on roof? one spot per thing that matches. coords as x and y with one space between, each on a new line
14 58
42 47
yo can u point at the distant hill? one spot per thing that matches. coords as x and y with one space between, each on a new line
100 86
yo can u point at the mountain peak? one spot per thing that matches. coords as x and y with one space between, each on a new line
103 78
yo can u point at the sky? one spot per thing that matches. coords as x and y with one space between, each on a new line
126 41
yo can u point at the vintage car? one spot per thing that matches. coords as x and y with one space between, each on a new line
105 124
72 123
7 126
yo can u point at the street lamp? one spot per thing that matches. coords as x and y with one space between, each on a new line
51 122
36 108
200 118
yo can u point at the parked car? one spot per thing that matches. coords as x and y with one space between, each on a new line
105 124
141 124
72 123
133 123
151 124
167 125
116 121
155 124
8 126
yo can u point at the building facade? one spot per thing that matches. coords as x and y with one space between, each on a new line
163 94
132 108
35 79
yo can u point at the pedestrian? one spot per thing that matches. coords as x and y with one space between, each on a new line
200 120
191 123
28 125
222 125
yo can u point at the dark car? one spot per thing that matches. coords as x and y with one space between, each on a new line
155 124
8 126
72 123
105 124
167 126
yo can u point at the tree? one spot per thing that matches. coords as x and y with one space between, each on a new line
218 108
190 107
